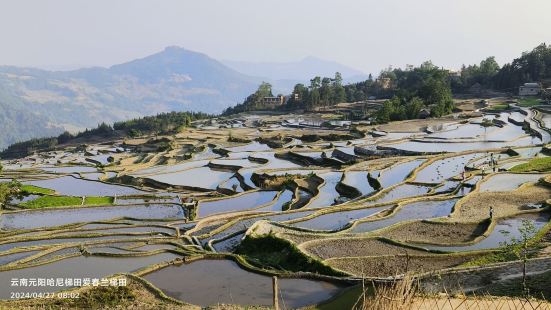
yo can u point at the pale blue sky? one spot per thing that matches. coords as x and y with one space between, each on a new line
365 34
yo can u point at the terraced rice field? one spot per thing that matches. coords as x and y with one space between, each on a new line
231 212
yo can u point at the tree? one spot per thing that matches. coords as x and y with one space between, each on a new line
413 107
301 92
532 66
339 94
437 94
326 92
314 96
520 247
8 190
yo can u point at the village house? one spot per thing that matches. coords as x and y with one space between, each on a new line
529 89
273 101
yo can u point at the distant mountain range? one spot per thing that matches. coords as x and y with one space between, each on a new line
302 70
37 103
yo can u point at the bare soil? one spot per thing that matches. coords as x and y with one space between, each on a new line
353 247
476 205
387 266
436 232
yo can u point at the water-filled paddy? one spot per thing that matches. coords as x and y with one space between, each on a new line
337 220
229 244
51 241
466 131
400 192
284 198
238 203
244 224
202 177
327 193
169 169
232 184
251 147
504 231
398 173
77 268
244 163
6 259
57 217
440 147
71 186
414 211
70 169
446 168
507 182
358 179
209 282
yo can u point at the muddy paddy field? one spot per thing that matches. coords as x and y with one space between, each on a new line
212 218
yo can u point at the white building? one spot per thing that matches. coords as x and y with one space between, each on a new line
529 89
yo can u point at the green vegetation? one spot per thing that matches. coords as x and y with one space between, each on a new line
8 190
272 252
487 122
532 66
163 123
31 189
410 90
529 102
61 201
424 87
500 107
492 258
537 164
482 75
521 248
253 101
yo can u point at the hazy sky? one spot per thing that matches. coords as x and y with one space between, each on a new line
368 35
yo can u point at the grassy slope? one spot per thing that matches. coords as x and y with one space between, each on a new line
60 201
536 164
270 251
31 189
529 102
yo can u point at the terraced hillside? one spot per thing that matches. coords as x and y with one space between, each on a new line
232 202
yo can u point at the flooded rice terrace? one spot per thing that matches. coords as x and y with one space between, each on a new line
213 218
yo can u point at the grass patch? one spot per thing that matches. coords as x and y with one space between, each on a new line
491 258
61 201
272 252
31 189
500 107
536 164
529 102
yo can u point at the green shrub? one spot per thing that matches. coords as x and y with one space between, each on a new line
270 251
